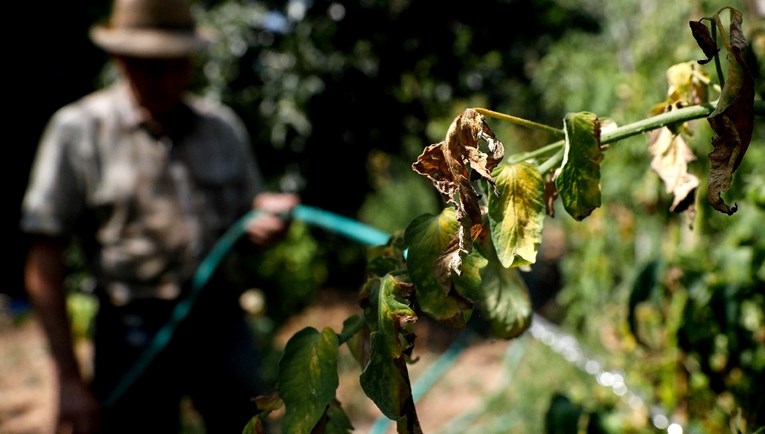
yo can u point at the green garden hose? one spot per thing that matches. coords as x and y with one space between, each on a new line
349 228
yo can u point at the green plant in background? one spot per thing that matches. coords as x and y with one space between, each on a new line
466 260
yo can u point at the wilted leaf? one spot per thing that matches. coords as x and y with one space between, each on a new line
578 181
452 164
733 118
704 38
395 317
308 377
685 86
433 259
470 279
385 379
551 194
517 214
670 157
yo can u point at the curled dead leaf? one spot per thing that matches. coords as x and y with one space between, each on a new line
733 118
452 165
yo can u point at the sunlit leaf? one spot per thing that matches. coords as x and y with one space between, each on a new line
451 165
395 317
578 181
433 258
733 118
670 157
517 214
308 377
502 297
686 85
469 280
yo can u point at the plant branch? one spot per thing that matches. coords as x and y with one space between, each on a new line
520 121
662 120
351 330
536 153
553 161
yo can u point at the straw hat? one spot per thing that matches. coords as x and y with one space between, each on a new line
151 28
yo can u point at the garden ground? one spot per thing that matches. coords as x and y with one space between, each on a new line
27 397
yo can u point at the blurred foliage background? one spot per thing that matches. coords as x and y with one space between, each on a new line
342 96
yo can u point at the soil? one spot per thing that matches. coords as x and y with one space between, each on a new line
27 395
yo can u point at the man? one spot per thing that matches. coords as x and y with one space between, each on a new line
146 177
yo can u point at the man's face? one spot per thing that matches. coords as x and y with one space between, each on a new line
158 83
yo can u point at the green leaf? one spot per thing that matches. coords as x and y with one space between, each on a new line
395 317
578 182
358 342
517 214
469 280
430 238
337 420
502 297
385 379
308 377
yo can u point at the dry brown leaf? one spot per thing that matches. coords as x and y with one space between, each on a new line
733 118
670 157
452 164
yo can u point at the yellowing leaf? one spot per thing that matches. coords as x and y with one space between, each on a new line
578 181
433 259
452 164
517 214
308 377
671 155
685 86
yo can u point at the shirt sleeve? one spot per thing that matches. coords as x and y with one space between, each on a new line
54 200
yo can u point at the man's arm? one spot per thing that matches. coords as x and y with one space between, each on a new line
44 274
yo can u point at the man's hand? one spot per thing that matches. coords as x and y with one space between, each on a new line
77 408
272 223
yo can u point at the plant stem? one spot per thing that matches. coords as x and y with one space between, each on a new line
536 153
351 330
552 162
519 121
662 120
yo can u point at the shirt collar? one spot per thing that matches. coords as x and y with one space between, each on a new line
132 117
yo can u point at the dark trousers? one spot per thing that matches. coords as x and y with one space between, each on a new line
212 358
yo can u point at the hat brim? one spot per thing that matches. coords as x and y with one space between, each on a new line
150 42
